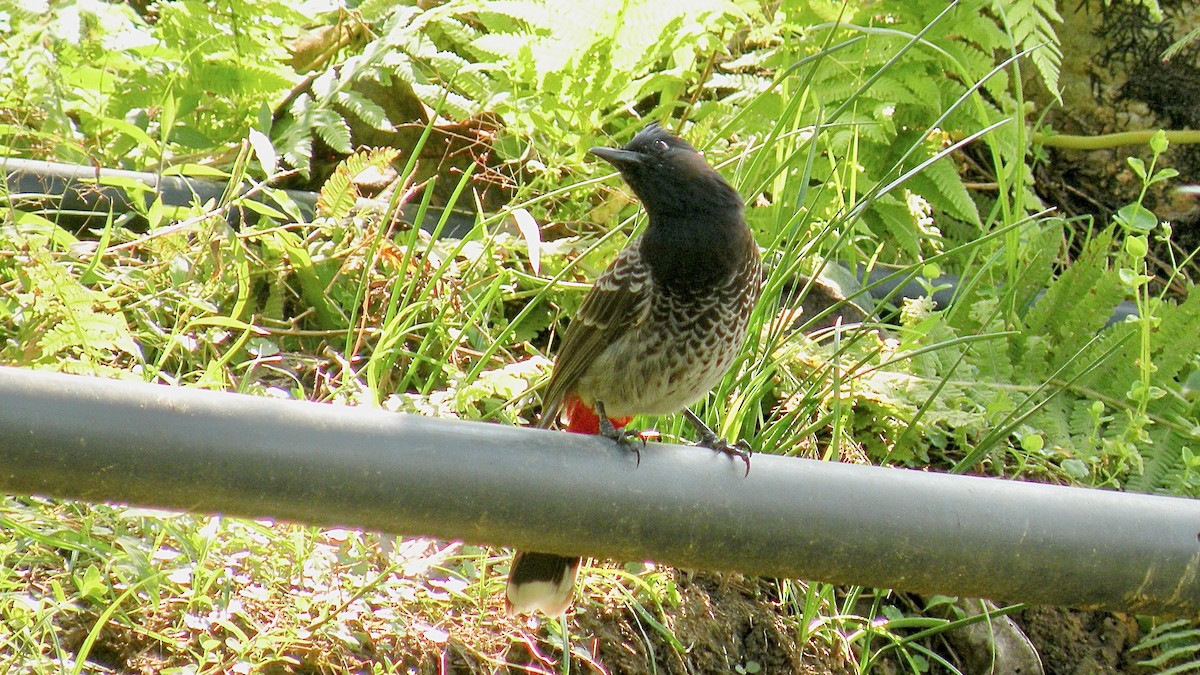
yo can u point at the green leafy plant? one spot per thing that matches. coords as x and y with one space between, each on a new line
53 320
109 84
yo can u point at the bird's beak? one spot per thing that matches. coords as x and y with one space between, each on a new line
616 156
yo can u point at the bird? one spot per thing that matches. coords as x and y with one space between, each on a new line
659 329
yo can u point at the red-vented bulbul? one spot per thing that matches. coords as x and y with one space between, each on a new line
658 330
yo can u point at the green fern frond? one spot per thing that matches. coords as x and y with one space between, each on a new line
338 194
296 146
892 221
263 77
1172 648
99 332
291 136
855 127
516 14
364 109
1054 421
376 10
902 92
1176 336
943 187
976 29
448 64
1029 22
1079 303
1164 469
975 62
1116 373
64 323
498 45
453 105
738 85
453 31
332 128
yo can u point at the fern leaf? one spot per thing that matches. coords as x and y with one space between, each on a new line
373 11
452 105
332 129
339 194
499 45
1053 419
297 151
365 109
891 219
1176 338
1080 302
1163 467
1029 21
89 331
291 137
943 187
510 14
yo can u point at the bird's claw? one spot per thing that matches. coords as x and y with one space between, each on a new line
741 449
626 438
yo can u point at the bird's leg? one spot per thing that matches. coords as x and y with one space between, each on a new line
623 437
710 439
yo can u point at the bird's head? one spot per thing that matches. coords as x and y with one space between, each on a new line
669 176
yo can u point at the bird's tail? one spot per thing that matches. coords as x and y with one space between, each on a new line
546 581
542 581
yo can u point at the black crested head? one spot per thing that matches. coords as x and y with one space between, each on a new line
670 177
697 235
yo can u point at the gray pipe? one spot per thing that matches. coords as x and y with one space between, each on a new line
73 193
209 452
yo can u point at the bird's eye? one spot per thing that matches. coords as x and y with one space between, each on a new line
661 145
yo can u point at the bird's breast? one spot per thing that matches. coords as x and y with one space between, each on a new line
681 351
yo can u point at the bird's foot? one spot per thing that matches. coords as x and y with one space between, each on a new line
631 440
741 449
709 439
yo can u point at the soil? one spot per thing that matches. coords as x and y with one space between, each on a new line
725 629
1113 79
737 627
724 625
1073 642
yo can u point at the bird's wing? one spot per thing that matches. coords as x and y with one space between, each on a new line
618 301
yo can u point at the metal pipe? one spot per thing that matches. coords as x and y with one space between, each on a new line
78 194
210 452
